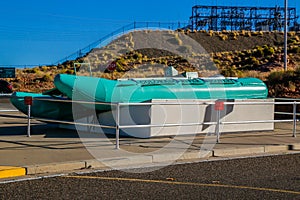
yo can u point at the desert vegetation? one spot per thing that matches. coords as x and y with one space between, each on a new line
234 53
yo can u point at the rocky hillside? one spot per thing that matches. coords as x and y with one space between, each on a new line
228 41
237 53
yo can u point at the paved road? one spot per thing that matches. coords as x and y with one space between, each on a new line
274 177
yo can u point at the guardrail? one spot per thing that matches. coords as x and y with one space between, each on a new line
118 126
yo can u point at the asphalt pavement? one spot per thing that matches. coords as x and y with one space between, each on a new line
268 177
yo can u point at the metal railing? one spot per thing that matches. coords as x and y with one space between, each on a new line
116 107
121 31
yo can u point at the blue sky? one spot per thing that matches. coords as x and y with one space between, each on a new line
35 32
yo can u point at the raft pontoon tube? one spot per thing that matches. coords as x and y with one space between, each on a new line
51 104
140 90
44 106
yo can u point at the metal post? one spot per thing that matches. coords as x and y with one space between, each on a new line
219 106
285 34
118 127
294 119
218 126
28 120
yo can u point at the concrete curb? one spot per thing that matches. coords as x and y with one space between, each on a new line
237 151
196 155
126 161
276 148
54 167
295 146
254 150
142 160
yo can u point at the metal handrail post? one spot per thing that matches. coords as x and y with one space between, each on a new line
218 126
219 106
118 126
28 120
294 119
28 101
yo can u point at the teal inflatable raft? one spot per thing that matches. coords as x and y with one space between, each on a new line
49 105
141 90
44 106
52 105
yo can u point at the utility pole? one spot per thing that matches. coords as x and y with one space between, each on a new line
285 34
